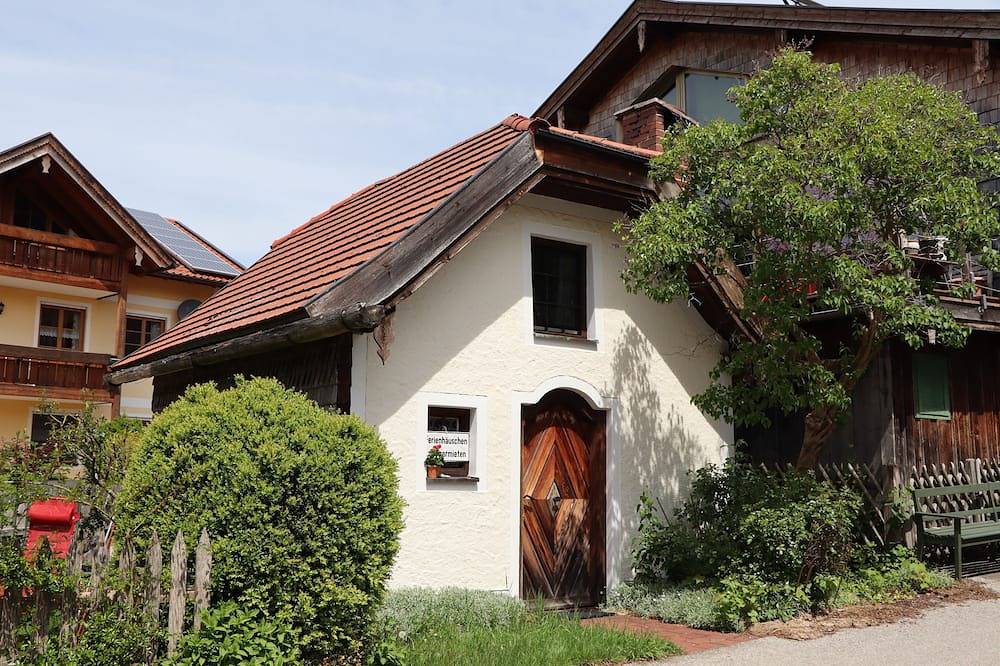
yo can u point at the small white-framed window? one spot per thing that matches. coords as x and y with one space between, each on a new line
562 273
455 425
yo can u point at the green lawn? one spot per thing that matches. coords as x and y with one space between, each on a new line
537 639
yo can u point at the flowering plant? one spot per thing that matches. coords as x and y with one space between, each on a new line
434 457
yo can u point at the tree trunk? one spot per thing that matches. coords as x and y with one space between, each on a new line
818 428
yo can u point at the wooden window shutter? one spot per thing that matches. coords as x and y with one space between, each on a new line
931 388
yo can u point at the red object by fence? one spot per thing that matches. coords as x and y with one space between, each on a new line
53 519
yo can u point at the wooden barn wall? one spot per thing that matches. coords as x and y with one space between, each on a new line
321 370
866 435
949 64
974 428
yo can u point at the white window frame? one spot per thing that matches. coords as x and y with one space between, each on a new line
479 417
592 242
681 86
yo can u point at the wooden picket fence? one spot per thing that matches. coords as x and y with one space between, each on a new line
139 587
874 485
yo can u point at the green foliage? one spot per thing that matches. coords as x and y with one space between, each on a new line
750 546
739 519
696 607
546 639
434 456
816 187
300 502
232 636
412 611
84 460
114 636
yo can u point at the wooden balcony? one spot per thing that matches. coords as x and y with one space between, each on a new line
54 373
39 255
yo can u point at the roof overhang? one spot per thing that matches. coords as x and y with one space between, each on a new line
624 43
543 160
48 147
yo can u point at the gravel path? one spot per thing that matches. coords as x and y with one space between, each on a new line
954 635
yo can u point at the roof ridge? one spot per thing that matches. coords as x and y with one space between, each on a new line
504 123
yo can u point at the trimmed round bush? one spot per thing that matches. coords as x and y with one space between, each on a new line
301 504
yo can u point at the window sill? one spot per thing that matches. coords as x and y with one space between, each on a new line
559 340
454 479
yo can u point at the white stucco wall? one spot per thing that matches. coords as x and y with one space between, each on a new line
467 332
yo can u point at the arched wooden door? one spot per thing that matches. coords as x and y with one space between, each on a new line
562 500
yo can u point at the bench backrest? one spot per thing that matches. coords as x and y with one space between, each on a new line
972 501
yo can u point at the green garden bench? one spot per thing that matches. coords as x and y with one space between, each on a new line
978 524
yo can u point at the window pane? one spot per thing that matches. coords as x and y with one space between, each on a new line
705 97
670 97
48 327
72 329
41 428
931 388
154 328
559 273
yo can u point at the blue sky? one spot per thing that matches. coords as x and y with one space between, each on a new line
243 119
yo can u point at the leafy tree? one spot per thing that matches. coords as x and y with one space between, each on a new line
812 193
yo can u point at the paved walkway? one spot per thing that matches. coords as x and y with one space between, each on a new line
954 635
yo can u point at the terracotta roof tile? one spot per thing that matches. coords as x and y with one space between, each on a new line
334 243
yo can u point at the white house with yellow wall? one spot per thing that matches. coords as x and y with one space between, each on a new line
84 281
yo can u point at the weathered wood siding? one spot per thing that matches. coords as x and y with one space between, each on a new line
974 428
321 370
950 64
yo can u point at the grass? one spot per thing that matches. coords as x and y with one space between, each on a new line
457 626
538 639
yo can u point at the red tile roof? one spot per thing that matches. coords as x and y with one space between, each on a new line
334 243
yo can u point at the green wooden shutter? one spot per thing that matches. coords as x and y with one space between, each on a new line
931 389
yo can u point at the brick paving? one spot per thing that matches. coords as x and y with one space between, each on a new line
688 639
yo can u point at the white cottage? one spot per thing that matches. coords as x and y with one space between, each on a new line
475 299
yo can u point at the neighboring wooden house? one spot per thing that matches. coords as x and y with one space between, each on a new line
475 299
83 281
913 408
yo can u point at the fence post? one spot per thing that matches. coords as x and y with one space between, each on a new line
71 595
178 590
126 567
973 467
154 563
202 573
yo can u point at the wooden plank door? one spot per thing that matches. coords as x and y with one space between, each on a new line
562 501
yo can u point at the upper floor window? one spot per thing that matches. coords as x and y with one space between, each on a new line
931 387
60 327
702 95
559 287
139 330
29 215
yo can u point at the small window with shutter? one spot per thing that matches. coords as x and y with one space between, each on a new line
931 388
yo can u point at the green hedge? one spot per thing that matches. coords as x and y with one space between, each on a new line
301 504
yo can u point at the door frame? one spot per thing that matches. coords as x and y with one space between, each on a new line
614 538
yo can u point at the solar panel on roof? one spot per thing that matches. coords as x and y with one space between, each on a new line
187 248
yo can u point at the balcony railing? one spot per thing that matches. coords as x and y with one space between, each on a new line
43 255
60 373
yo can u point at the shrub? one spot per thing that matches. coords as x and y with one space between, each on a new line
740 520
413 611
113 636
694 607
232 636
300 502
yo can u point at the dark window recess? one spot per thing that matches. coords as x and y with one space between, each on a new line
931 388
60 328
559 287
450 419
29 215
141 330
41 427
